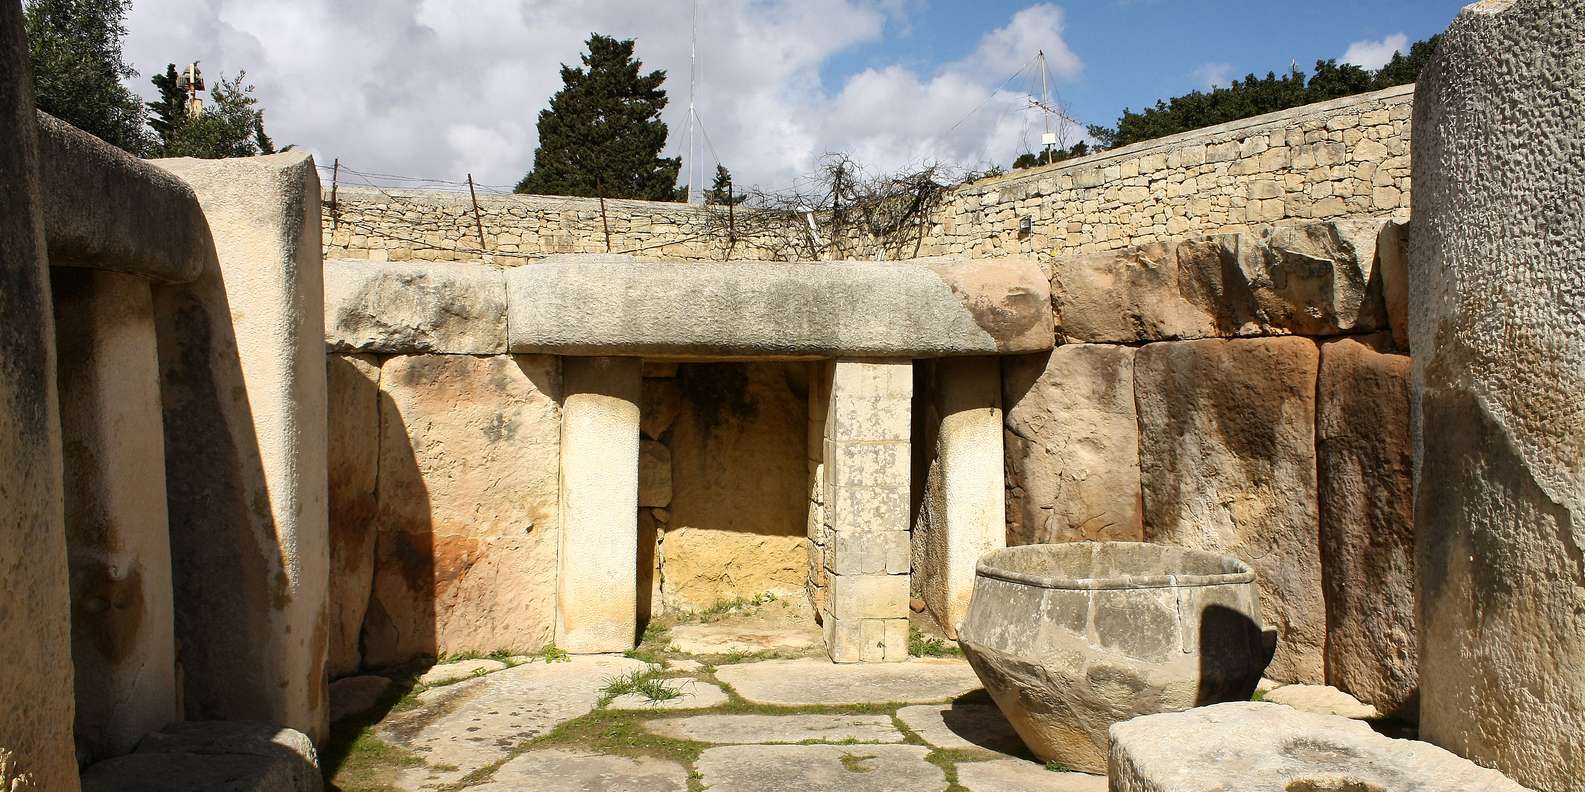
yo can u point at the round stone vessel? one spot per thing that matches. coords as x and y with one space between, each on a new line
1071 638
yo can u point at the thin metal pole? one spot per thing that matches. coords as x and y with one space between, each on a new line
335 173
599 186
477 223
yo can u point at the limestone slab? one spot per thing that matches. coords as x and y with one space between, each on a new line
1227 463
1321 700
468 499
462 669
1018 775
818 768
574 771
654 475
696 694
711 639
771 729
818 682
411 307
1259 747
474 723
962 727
356 695
213 756
352 448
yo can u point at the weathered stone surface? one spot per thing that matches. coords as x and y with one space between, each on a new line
962 727
770 729
709 639
1258 747
695 695
1227 463
765 310
1365 457
407 308
356 695
1314 279
117 529
1321 700
462 669
352 386
1017 775
35 623
794 683
654 475
1072 446
243 383
597 594
662 402
570 771
213 756
1071 638
1497 324
816 768
1392 256
459 728
468 497
106 209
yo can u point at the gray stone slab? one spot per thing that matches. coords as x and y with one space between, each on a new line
462 669
811 681
567 771
727 729
1017 775
695 695
727 638
414 306
356 695
819 768
462 727
213 756
962 727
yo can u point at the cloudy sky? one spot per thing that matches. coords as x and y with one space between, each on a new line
441 88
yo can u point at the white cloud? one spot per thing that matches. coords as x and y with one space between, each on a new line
1214 75
1373 55
440 88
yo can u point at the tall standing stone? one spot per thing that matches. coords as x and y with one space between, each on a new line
1227 463
352 450
36 678
1497 324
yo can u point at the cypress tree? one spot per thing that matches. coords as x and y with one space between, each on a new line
602 133
167 113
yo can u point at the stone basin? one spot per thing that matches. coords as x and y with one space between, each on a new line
1071 638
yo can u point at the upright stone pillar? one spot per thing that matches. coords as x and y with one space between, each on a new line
1497 325
242 353
866 468
35 622
965 506
118 535
597 588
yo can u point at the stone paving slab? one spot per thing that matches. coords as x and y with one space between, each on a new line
460 728
695 695
762 729
730 638
963 727
1017 775
567 771
814 681
462 669
819 768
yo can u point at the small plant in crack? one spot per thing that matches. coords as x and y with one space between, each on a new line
647 684
554 654
921 645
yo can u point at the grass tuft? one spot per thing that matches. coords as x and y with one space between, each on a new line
646 683
554 654
921 645
1058 767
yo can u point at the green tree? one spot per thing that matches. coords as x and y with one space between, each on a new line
231 125
602 133
1405 69
168 112
721 192
75 46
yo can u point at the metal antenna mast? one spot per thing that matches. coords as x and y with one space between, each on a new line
695 194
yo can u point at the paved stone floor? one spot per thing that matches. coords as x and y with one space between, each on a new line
665 719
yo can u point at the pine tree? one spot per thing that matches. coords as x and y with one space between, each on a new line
231 125
602 133
170 110
721 192
75 46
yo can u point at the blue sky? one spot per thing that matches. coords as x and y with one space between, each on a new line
445 88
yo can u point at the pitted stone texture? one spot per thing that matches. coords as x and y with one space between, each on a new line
571 771
1366 471
793 683
962 727
1315 279
1497 324
1321 700
709 639
695 695
352 385
1258 747
1017 775
468 499
1227 463
818 768
462 669
1072 445
459 728
766 310
654 475
771 729
411 307
213 756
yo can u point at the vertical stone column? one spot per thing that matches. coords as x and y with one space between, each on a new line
867 467
597 591
1497 325
965 508
242 355
118 537
35 623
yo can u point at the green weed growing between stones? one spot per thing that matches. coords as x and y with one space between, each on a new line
921 645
